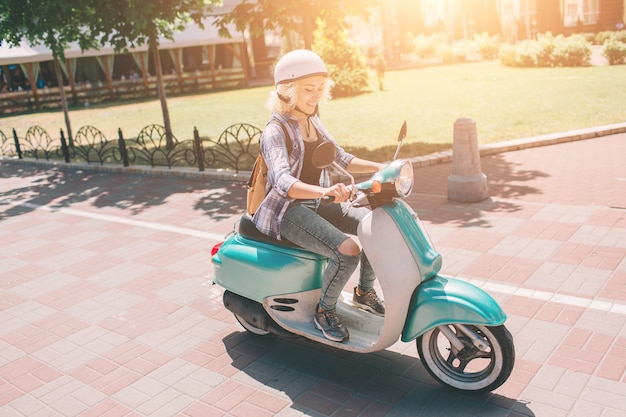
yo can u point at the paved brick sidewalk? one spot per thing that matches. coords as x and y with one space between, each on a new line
107 307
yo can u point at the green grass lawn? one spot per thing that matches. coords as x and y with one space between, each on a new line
506 103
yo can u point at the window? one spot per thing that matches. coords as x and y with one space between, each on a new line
592 12
528 10
510 11
585 11
571 12
434 12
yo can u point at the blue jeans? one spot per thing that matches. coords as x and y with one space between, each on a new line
321 230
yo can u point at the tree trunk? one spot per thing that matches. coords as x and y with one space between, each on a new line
57 69
154 47
259 55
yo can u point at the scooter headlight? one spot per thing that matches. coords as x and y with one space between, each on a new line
404 180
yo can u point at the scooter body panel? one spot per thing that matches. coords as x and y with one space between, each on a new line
396 270
446 300
415 237
257 270
408 274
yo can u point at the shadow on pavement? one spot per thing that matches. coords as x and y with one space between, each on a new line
504 181
134 193
328 381
58 187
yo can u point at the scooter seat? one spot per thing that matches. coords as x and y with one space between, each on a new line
249 230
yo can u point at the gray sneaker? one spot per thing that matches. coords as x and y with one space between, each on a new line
369 302
330 325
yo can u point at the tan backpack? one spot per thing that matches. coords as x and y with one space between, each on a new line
258 178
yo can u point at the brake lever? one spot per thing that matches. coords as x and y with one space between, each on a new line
358 196
331 198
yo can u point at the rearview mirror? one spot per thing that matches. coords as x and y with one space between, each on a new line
401 137
402 133
324 155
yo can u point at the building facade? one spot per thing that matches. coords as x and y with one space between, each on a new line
195 60
392 27
200 60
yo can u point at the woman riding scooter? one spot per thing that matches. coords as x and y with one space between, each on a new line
274 287
293 209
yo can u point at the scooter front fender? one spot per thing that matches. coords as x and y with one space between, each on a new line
445 300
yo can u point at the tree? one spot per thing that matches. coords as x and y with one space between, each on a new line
91 23
345 61
54 24
127 23
290 16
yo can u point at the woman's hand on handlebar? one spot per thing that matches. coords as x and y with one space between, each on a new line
337 193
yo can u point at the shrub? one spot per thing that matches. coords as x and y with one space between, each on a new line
347 82
589 37
444 53
544 48
526 53
487 46
465 50
426 46
481 46
548 51
620 36
614 51
572 51
347 66
602 37
508 55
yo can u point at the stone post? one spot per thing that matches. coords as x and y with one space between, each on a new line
466 184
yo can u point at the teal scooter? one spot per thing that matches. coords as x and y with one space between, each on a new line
272 287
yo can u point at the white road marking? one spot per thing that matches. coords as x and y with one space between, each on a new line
119 220
588 303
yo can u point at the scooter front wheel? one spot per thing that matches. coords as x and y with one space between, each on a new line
464 366
251 327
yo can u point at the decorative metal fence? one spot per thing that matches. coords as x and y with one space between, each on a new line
236 148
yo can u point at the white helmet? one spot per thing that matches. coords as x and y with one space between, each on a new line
298 64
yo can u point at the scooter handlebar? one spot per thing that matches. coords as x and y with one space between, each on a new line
331 198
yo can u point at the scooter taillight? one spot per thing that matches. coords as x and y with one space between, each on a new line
216 248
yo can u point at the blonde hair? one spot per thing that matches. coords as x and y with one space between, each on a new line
290 92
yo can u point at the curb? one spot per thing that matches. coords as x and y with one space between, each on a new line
217 174
419 161
526 143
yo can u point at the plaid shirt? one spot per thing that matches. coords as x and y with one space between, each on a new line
284 169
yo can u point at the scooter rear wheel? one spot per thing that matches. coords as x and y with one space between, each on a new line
469 369
250 327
